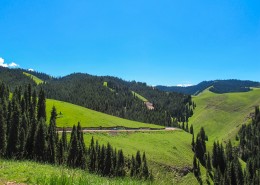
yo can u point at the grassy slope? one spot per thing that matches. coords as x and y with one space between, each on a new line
35 173
72 114
140 97
36 79
164 151
223 114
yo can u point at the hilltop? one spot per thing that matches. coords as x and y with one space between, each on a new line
216 86
222 115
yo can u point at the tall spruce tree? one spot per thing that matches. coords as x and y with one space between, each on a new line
81 158
108 161
13 140
3 133
73 149
145 170
133 168
41 108
40 145
52 140
120 164
92 156
138 163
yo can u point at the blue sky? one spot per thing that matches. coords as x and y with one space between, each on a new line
164 42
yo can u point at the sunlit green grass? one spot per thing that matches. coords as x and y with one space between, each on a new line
34 173
139 96
222 115
35 79
70 114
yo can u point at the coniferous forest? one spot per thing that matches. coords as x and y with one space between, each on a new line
223 165
117 98
25 134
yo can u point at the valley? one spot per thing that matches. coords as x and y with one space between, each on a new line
168 148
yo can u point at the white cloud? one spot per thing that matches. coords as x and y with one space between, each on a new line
3 64
184 85
13 65
30 69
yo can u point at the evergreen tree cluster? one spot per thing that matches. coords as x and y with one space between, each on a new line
222 167
15 78
249 148
199 146
25 134
227 168
108 161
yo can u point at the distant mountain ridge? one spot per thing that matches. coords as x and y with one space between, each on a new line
216 86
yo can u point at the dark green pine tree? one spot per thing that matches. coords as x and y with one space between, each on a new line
3 133
108 161
193 143
191 129
64 139
222 159
217 179
114 162
22 141
29 94
229 152
215 154
13 140
101 160
32 108
52 140
92 156
187 127
145 170
62 148
29 148
51 143
133 168
238 172
60 153
98 152
195 167
73 148
120 164
208 164
138 163
81 158
41 107
40 145
25 125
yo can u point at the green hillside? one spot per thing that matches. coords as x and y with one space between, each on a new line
223 114
35 79
70 114
42 174
169 153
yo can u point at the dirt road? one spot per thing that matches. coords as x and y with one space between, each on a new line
123 130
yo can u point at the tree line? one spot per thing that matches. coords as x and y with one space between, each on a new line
25 134
216 86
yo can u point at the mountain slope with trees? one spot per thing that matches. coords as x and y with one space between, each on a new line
116 97
25 134
217 86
